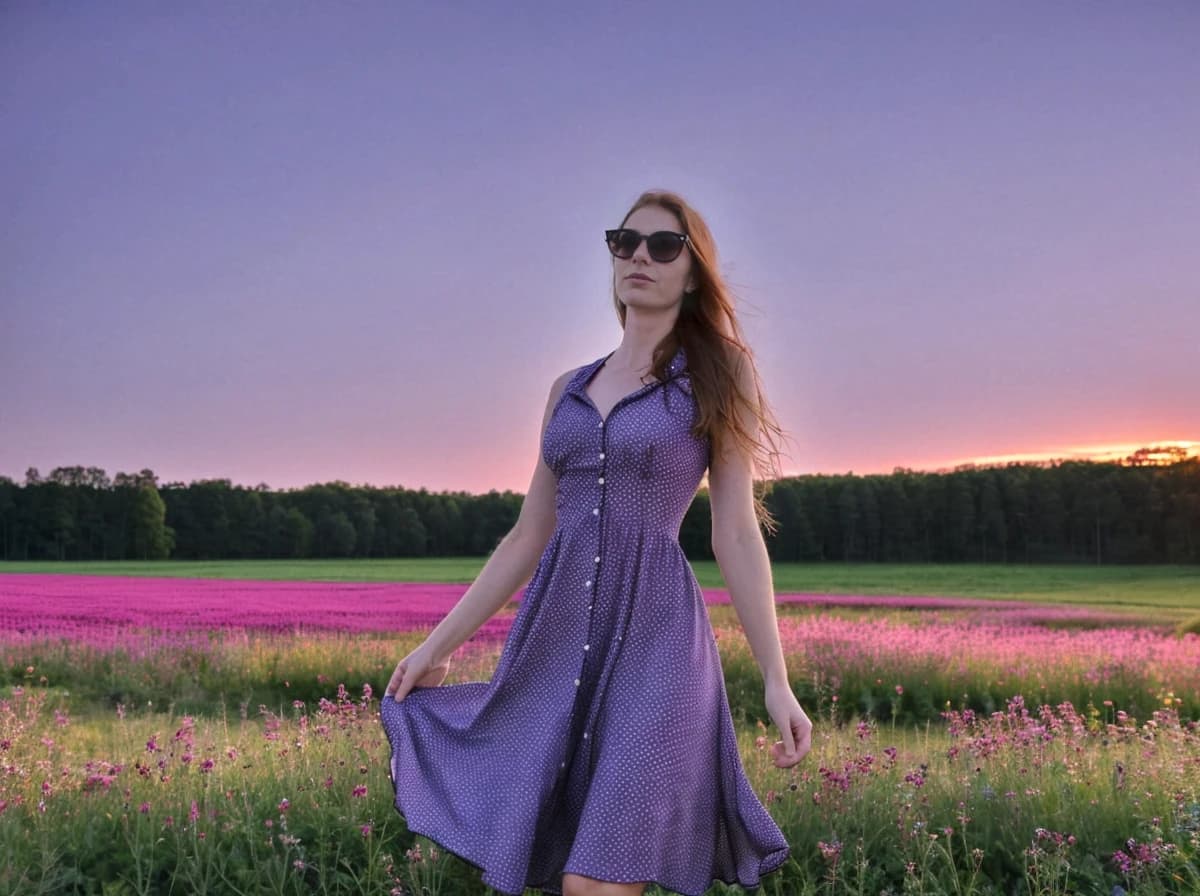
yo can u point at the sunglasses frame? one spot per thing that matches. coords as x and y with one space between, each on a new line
611 235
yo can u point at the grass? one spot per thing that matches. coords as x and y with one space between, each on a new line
278 783
292 796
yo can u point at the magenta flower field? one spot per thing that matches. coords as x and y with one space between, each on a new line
108 610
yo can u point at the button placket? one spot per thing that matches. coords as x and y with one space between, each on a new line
593 582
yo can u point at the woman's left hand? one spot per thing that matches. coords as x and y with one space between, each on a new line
794 725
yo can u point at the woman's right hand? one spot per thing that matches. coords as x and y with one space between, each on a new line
420 669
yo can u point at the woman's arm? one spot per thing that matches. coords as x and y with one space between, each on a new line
745 565
510 566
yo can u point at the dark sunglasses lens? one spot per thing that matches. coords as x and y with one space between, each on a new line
624 243
664 246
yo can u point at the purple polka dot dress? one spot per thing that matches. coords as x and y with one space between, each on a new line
603 744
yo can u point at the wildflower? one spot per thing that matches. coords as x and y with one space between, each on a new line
365 830
194 812
831 851
284 805
359 791
144 808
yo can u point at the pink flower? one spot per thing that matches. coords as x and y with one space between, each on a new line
360 790
830 852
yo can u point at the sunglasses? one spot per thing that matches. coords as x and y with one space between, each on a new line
663 245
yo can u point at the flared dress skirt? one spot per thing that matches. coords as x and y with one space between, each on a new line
603 743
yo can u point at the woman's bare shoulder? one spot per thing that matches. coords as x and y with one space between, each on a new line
560 383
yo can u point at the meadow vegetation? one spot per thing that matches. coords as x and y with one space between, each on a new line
993 746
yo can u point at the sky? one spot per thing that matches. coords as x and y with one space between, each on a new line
292 243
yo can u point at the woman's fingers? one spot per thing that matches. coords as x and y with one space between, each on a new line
415 671
796 742
396 683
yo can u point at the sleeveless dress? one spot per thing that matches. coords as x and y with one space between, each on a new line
603 743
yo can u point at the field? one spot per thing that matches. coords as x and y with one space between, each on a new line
183 728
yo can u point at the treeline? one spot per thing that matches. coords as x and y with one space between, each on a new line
1061 512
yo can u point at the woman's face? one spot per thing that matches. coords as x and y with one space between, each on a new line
642 282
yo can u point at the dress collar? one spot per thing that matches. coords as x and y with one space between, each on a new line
675 368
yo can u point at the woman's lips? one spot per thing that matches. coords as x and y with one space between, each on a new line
642 277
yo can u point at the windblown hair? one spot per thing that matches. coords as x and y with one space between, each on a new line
708 330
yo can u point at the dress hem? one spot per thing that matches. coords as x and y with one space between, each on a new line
770 863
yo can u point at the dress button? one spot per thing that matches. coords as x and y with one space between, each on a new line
562 765
597 558
601 423
587 583
589 606
585 646
577 682
585 735
595 511
602 455
601 480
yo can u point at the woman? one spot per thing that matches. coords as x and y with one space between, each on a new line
601 756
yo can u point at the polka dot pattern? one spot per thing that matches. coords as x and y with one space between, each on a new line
603 744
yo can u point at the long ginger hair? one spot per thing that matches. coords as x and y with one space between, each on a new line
707 327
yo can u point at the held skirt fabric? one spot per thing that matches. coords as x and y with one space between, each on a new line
603 743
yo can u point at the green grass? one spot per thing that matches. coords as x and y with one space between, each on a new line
294 798
941 814
1173 589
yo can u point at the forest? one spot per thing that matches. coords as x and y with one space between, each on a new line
1131 512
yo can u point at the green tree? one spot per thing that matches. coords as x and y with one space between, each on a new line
151 537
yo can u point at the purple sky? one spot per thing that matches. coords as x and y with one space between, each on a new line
292 243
